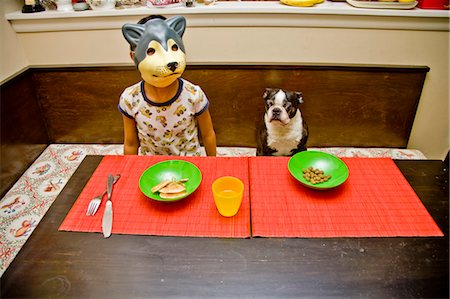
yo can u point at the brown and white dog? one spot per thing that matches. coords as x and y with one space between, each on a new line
284 131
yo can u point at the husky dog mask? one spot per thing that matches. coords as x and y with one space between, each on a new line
159 52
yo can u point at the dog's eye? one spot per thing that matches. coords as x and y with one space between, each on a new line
174 48
150 51
269 103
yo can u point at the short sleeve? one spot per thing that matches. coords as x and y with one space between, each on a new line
201 103
126 102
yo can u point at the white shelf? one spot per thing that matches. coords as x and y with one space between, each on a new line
241 14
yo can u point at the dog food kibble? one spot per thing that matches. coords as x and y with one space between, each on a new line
315 175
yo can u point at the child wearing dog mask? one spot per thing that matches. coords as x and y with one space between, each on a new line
163 112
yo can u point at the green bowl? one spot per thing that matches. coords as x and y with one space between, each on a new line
169 170
330 164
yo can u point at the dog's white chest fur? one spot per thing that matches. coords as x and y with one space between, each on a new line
284 138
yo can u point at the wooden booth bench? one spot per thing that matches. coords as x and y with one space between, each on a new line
345 106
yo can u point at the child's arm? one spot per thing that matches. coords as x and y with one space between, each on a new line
131 141
207 131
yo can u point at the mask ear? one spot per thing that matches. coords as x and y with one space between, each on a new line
299 96
133 33
178 24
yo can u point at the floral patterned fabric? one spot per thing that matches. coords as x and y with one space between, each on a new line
167 128
24 205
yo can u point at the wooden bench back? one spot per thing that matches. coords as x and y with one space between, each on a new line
343 106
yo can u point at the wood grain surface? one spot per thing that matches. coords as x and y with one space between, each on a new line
55 264
23 132
343 106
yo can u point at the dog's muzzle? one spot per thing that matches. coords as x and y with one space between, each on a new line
279 114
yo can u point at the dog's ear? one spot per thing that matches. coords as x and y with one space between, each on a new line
299 96
266 93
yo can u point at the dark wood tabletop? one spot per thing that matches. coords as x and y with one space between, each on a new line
55 264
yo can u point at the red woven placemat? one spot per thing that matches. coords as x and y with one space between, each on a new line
134 213
375 201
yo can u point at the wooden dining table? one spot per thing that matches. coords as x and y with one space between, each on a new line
55 264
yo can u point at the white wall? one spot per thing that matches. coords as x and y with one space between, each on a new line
253 45
12 54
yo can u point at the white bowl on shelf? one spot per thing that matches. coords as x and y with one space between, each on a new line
101 4
64 5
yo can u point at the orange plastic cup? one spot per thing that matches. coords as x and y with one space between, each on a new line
227 193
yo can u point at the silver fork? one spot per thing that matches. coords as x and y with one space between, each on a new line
94 204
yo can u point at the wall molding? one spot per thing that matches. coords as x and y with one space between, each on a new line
241 14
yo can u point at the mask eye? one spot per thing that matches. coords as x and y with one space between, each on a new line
174 48
150 51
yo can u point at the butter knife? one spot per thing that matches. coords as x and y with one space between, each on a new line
108 214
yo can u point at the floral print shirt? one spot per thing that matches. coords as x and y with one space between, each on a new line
168 128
